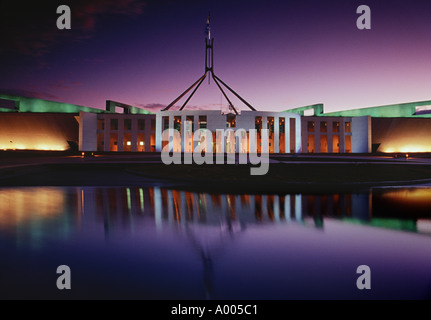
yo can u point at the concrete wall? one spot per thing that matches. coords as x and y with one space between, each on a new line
87 131
401 135
361 134
38 131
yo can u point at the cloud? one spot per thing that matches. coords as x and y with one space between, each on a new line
29 28
196 108
64 85
29 94
87 13
154 107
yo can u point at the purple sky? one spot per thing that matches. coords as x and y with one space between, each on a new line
276 54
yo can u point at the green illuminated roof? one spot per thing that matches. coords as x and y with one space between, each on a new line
318 109
25 104
402 110
111 105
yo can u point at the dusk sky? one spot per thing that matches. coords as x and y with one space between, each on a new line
276 54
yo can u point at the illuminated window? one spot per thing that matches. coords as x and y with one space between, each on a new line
281 126
177 123
113 142
347 127
230 121
191 119
292 135
348 142
324 143
323 126
270 123
141 139
165 123
258 123
100 141
336 126
202 122
335 144
127 141
311 143
310 126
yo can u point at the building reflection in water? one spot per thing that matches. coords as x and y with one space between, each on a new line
207 222
178 207
30 212
64 208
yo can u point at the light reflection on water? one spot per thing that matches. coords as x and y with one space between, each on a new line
230 246
117 207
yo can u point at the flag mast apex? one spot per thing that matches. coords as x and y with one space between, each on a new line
208 29
209 71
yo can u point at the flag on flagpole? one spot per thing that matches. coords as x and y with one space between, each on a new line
207 29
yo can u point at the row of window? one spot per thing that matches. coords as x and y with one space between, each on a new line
111 141
127 124
324 126
325 145
128 143
177 122
230 122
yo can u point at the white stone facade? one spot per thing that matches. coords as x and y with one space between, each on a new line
284 129
287 132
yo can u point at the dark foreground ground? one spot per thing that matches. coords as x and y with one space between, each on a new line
285 174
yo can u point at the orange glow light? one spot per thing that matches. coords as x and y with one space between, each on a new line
23 205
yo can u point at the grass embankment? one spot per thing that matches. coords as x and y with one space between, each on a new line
299 175
285 176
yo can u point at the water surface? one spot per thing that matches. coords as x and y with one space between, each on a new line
157 243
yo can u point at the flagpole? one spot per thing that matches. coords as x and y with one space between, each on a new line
209 68
208 26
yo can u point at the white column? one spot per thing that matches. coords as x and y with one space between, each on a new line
298 134
287 212
287 134
120 134
106 133
158 208
87 131
276 134
134 133
158 132
276 208
298 207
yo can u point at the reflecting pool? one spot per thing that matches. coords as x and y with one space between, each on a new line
160 243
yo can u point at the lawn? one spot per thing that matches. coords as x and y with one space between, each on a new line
289 175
